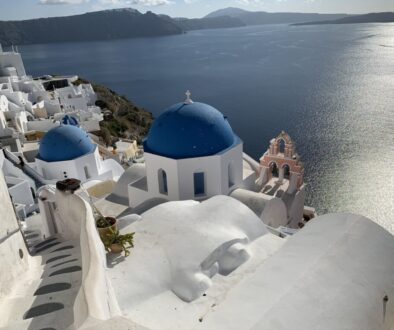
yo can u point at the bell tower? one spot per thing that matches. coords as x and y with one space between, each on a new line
281 162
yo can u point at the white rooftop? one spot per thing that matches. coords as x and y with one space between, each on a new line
332 274
210 265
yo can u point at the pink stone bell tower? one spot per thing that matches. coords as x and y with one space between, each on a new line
282 161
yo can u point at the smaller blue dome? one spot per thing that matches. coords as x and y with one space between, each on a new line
70 120
65 142
189 130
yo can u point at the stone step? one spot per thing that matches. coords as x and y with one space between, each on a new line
19 309
30 288
58 320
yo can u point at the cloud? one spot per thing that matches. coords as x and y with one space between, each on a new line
62 2
146 3
250 2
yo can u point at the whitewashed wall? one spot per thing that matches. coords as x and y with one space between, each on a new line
97 169
13 60
11 244
180 176
41 125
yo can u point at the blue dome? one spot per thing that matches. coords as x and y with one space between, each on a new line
65 142
70 120
188 130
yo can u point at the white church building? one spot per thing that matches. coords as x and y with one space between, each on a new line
191 152
67 151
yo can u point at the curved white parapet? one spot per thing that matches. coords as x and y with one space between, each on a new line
95 300
270 209
252 163
113 166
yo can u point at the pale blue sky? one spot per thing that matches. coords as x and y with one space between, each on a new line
23 9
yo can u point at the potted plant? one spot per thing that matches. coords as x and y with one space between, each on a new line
117 243
106 226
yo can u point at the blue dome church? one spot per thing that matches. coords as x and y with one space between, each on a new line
191 152
63 143
67 151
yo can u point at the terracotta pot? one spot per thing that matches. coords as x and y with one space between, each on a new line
108 231
116 248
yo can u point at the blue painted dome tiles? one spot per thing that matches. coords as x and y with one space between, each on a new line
189 130
65 142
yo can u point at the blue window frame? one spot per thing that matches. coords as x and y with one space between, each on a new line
199 183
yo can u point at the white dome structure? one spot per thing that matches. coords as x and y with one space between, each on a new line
191 152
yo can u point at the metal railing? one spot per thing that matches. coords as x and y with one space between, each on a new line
28 170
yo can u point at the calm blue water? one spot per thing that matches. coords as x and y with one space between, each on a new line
330 87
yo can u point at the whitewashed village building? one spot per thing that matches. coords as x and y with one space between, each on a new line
59 112
40 104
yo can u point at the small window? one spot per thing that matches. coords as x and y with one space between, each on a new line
163 186
87 174
230 175
199 184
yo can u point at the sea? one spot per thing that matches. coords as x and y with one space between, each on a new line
331 87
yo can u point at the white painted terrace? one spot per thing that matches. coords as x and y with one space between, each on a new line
210 265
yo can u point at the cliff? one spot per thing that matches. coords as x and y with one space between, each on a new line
122 118
101 25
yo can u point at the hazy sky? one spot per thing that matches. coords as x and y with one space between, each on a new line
23 9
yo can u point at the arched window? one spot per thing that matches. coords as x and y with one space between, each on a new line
282 145
163 186
274 170
230 175
286 171
199 184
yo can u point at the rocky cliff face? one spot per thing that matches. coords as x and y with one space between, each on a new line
122 118
101 25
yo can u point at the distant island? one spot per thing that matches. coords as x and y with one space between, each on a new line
387 17
219 22
130 23
101 25
262 17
